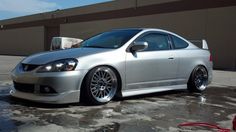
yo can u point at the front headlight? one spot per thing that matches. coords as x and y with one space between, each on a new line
59 66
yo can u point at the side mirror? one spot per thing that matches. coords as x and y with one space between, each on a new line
138 46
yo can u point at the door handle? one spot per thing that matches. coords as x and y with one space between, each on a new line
171 58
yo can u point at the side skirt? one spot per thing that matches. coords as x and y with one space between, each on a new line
132 92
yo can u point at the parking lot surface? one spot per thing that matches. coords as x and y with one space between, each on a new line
152 112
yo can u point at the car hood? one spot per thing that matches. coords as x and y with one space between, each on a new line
46 57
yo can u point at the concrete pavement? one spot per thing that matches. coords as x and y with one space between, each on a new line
7 63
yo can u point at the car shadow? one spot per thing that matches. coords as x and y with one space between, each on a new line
158 94
17 101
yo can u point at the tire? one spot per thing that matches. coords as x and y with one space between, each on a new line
198 80
101 85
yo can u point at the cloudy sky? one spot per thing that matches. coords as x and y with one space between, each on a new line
15 8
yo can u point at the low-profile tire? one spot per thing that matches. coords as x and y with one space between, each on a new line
198 80
101 85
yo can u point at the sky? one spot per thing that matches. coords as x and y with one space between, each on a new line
16 8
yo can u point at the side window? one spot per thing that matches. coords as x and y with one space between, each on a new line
179 43
155 41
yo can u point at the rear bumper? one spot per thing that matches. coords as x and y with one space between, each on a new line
210 77
210 73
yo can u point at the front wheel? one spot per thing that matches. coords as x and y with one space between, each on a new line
198 80
101 85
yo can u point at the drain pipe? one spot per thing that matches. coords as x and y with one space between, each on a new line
136 4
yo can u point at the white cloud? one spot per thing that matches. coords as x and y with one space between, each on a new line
27 6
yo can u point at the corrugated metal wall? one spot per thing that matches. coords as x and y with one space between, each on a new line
22 41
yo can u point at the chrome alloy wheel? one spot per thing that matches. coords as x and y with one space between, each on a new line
201 78
103 84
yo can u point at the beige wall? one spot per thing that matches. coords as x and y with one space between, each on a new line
22 41
100 7
217 25
191 24
221 35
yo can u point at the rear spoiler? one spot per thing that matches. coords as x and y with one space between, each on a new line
200 43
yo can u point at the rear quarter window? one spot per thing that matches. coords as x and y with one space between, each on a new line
179 43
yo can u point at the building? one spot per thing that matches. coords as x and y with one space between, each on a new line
213 20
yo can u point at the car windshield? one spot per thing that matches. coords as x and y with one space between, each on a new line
113 39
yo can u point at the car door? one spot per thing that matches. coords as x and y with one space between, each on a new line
155 66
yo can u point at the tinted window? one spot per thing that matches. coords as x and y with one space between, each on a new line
113 39
155 41
179 43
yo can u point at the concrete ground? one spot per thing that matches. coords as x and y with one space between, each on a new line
153 112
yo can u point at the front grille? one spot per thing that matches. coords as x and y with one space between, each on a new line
28 67
22 87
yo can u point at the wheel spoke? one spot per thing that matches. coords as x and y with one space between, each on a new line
109 80
93 84
99 74
103 74
95 76
95 92
106 75
109 84
94 88
100 94
105 92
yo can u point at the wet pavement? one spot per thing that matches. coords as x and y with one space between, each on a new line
146 113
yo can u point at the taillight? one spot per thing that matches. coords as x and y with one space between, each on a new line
210 58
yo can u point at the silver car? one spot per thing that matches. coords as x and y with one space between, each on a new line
118 63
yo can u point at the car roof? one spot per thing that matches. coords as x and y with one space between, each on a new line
191 45
145 29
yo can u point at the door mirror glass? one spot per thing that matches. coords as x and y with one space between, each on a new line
138 46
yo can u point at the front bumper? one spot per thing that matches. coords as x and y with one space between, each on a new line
65 84
62 98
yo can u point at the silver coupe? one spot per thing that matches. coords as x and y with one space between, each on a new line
117 63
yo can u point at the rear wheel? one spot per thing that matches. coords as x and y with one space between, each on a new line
198 80
100 86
